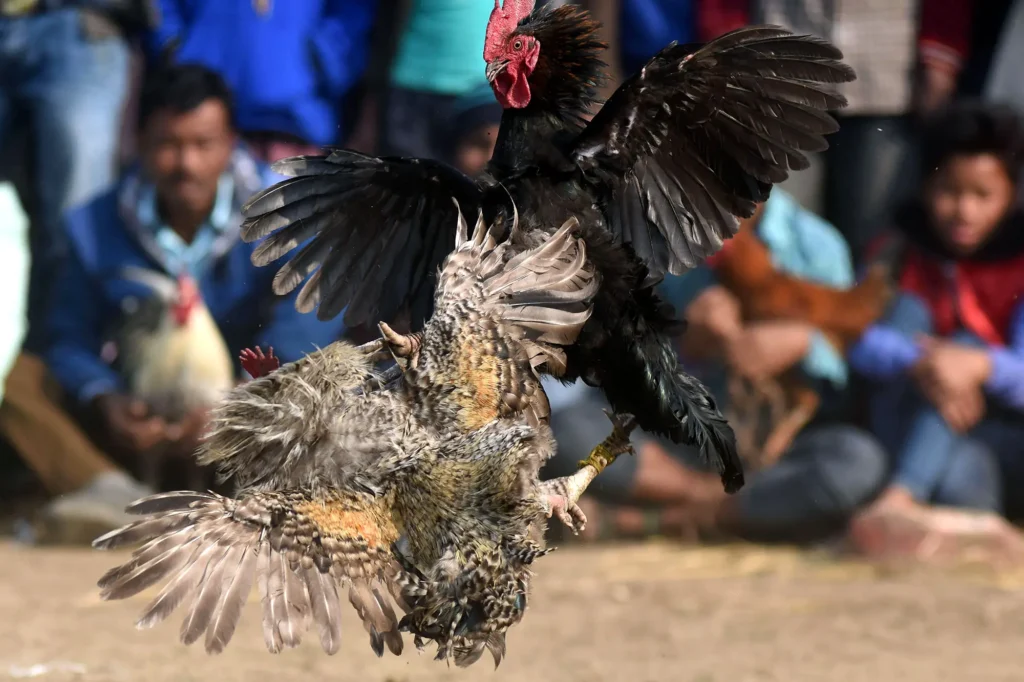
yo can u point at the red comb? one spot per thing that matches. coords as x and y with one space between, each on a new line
502 22
257 364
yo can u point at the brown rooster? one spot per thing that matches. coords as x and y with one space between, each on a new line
173 356
745 268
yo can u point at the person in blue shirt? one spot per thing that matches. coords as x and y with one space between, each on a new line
289 64
177 212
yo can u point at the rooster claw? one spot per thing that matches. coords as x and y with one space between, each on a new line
567 512
257 364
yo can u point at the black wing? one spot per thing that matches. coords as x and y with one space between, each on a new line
373 222
701 133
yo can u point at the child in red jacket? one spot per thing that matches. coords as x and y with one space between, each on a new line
950 355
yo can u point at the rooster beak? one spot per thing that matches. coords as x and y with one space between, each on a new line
494 68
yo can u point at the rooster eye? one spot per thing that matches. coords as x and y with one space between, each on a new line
518 45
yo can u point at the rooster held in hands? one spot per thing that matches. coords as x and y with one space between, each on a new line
765 292
173 355
657 179
335 468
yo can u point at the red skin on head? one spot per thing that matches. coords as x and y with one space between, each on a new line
188 299
511 85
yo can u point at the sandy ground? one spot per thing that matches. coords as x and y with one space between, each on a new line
637 613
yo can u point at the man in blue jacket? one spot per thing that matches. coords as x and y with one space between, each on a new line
177 213
290 64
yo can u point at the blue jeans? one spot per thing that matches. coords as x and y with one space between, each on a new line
70 89
828 473
932 461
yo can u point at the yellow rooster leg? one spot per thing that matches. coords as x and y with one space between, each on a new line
561 495
617 443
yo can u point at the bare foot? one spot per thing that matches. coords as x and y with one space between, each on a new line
896 526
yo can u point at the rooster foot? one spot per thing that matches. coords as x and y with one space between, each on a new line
569 513
375 351
257 364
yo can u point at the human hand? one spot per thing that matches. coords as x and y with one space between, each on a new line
187 434
713 320
129 424
947 369
767 349
963 411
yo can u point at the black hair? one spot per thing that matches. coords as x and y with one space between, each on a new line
970 128
180 88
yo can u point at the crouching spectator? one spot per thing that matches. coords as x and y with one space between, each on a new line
949 358
827 470
175 218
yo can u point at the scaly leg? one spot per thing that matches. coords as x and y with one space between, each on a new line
560 495
377 350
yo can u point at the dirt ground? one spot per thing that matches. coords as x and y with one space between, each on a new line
629 613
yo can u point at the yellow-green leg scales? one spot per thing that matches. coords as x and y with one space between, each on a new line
561 495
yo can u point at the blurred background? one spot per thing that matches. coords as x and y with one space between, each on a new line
881 417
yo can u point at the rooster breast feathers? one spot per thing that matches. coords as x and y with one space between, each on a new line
175 367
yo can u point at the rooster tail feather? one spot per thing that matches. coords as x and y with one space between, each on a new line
642 376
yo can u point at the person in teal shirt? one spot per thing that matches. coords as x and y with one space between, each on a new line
438 60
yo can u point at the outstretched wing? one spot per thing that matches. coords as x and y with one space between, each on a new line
309 423
701 133
208 550
380 227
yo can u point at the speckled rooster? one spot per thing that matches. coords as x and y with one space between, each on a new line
657 179
423 490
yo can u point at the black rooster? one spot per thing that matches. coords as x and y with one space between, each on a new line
657 179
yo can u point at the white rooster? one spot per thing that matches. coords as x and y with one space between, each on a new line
171 351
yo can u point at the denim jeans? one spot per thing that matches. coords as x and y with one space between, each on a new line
828 473
70 89
931 460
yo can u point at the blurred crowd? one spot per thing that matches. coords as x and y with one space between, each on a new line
864 332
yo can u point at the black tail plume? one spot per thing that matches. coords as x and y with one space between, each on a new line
641 375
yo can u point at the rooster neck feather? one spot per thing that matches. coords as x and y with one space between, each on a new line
563 85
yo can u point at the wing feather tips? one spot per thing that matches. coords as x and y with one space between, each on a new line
370 226
702 133
209 550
